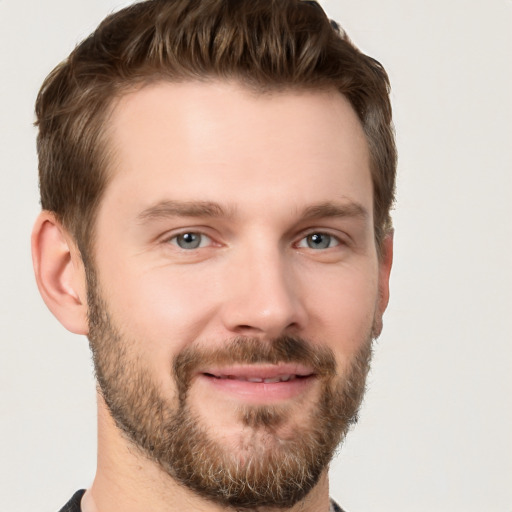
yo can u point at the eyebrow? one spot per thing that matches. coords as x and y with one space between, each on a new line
169 208
172 208
340 210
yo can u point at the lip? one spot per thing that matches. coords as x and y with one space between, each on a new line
259 383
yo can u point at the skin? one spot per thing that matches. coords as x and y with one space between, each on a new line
281 167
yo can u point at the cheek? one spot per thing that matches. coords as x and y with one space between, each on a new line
342 309
159 309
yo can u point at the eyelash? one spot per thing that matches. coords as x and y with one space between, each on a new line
174 240
324 238
322 235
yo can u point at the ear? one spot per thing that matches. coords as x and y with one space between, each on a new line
385 264
59 272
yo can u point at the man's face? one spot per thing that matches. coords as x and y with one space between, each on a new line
236 284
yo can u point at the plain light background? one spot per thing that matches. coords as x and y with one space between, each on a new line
435 432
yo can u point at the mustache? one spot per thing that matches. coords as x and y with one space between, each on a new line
245 350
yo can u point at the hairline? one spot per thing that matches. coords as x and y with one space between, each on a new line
106 151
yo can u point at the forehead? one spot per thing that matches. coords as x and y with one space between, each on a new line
221 141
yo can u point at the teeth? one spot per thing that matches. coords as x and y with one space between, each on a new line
280 378
259 380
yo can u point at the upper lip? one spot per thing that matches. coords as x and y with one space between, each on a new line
261 373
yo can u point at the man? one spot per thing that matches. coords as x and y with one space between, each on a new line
216 179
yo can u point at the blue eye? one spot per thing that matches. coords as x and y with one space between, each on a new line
190 240
319 241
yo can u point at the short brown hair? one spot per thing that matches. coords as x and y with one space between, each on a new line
265 44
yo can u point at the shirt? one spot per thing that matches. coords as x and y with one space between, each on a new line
73 505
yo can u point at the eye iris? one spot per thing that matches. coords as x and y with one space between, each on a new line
318 241
188 240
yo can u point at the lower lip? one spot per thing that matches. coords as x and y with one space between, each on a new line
260 392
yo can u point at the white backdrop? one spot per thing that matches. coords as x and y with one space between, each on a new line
435 432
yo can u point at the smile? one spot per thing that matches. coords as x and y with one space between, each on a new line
260 384
266 380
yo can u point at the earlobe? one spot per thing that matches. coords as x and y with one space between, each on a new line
59 273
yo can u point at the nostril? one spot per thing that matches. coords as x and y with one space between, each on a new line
248 329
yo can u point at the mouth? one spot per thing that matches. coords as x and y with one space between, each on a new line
266 380
260 384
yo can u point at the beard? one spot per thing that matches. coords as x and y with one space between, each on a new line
275 462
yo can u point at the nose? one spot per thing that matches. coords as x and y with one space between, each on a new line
262 296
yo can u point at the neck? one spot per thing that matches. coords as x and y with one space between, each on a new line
126 480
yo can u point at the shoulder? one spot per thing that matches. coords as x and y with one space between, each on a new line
335 507
73 505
